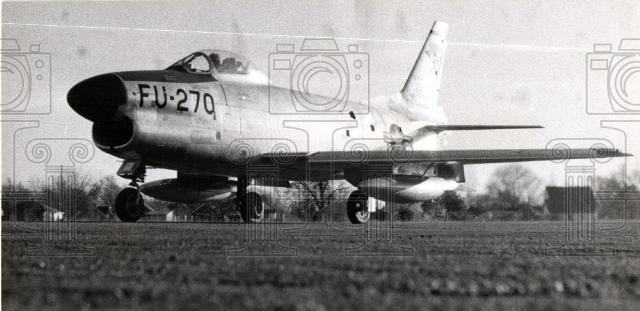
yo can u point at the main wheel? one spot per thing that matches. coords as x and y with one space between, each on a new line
253 208
129 205
357 208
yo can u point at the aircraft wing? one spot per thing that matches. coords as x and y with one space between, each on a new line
425 130
400 155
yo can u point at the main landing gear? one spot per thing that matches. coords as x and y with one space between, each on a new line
357 207
129 203
250 204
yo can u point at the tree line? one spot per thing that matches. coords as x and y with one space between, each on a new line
511 188
85 194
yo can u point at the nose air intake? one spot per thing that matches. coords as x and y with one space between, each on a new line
97 98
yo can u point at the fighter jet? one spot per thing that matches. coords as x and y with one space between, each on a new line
223 126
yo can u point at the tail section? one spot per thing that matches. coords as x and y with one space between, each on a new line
420 92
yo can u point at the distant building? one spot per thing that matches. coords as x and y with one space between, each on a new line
569 202
159 214
561 201
51 214
204 213
103 209
36 211
180 212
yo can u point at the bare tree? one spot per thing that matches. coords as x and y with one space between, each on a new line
78 186
620 180
72 193
11 190
319 194
106 189
69 193
515 184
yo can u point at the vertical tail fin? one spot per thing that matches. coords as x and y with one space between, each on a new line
420 92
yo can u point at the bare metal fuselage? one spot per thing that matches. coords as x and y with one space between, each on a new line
214 127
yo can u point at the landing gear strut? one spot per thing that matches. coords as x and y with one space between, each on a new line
250 204
129 203
357 207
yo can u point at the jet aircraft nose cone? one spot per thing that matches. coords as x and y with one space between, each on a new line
97 98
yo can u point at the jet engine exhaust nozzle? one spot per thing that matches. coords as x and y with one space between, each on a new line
98 98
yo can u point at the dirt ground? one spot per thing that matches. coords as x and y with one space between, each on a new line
415 266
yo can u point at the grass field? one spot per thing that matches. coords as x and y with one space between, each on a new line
445 265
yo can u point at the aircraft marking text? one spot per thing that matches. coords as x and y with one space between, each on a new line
185 99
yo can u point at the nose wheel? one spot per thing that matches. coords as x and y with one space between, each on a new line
130 205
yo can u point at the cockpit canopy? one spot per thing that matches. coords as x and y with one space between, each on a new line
223 65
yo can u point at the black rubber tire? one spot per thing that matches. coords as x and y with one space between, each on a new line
129 205
357 203
253 208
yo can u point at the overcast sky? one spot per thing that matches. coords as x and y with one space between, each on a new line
508 62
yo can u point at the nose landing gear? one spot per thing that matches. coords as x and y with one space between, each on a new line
129 203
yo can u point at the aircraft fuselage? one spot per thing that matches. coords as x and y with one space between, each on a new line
191 124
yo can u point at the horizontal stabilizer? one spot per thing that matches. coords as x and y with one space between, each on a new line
437 128
440 128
